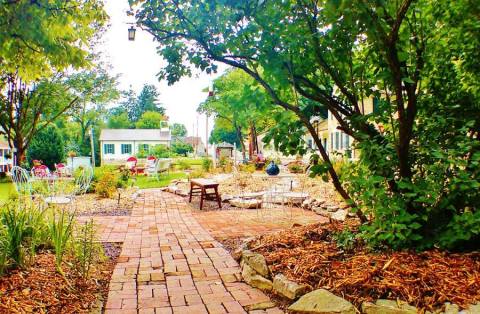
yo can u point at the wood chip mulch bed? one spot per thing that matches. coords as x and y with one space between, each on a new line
309 255
41 289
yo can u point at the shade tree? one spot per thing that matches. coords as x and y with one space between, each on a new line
416 177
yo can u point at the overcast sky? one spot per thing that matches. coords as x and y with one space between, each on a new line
138 63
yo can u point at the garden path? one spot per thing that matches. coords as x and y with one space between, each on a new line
170 264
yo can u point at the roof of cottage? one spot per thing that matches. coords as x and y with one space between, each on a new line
135 135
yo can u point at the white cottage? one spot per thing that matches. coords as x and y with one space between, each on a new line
6 160
117 145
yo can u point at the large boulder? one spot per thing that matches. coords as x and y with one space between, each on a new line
322 301
287 288
388 307
254 279
257 262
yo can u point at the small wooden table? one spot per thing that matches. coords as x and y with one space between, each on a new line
200 187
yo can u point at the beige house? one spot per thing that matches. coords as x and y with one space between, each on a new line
335 141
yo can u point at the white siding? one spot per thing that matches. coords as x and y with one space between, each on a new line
117 156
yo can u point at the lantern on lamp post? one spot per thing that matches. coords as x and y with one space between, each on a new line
131 33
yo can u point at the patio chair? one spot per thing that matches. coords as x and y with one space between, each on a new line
21 180
131 164
62 170
40 171
66 197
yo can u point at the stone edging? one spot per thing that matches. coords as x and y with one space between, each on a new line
257 274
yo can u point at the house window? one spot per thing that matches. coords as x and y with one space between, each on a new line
309 143
144 147
337 140
126 149
347 142
109 148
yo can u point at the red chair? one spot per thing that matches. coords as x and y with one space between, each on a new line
131 164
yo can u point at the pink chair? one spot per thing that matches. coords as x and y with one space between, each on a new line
61 170
40 171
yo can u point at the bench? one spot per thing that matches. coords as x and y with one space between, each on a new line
200 187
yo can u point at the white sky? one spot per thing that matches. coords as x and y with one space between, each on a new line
138 63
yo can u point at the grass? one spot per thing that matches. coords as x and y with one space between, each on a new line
144 182
188 160
6 188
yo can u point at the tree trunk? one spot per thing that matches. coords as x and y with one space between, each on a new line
333 174
238 130
20 152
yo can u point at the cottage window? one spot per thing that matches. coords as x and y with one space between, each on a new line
144 147
109 148
337 140
126 149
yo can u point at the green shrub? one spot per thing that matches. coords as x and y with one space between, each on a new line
182 149
183 165
106 186
161 151
21 232
197 173
249 168
206 164
47 146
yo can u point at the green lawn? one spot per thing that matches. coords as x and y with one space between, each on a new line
5 189
148 182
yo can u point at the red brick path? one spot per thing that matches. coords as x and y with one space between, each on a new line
170 264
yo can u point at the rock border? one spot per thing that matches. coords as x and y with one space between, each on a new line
256 273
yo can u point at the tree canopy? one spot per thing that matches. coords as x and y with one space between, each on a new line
417 177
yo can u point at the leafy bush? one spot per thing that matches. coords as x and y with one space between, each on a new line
183 165
197 173
47 146
249 168
182 149
107 179
106 186
161 151
206 164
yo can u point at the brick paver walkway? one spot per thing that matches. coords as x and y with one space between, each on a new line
170 264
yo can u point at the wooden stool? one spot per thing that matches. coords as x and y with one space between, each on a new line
200 187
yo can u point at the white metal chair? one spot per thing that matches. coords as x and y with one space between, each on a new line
66 196
21 180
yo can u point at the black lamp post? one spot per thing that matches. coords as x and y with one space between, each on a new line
131 33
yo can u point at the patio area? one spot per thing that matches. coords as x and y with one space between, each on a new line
171 263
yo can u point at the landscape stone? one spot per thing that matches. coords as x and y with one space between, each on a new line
259 306
257 262
322 301
473 309
451 308
251 277
287 288
387 307
340 215
248 204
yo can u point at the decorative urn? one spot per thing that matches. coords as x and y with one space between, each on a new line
272 169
